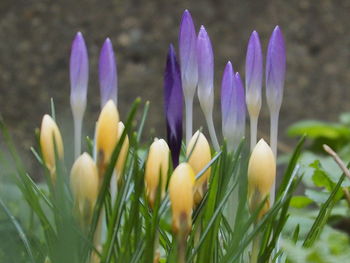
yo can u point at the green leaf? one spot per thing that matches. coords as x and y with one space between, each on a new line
315 129
300 201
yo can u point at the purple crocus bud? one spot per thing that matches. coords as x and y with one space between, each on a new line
205 72
173 100
188 55
232 107
227 100
275 70
79 77
254 72
108 73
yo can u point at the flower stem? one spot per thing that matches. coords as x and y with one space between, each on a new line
255 249
78 123
189 121
212 133
253 131
273 144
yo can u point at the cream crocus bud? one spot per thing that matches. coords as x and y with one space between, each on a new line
123 152
84 183
181 197
106 135
198 151
50 141
261 175
157 165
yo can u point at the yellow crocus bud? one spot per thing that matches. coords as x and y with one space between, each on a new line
50 137
123 152
200 155
261 175
157 165
181 197
84 183
106 135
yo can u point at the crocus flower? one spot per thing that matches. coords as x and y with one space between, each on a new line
198 151
108 74
79 76
157 166
275 74
189 66
232 107
206 81
181 197
254 71
84 185
106 135
173 101
50 143
261 175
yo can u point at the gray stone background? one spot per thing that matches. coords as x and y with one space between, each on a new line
36 35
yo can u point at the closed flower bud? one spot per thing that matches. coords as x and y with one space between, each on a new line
157 165
261 175
50 141
84 184
123 152
108 74
199 154
181 197
106 135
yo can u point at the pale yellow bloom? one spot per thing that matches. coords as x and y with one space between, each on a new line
123 152
261 175
200 155
50 137
181 196
157 165
106 135
84 182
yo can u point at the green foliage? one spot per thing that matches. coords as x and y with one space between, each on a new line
39 222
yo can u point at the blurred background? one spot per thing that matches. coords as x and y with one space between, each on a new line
36 36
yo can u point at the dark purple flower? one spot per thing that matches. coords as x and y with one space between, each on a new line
108 73
254 72
173 100
188 55
79 74
275 70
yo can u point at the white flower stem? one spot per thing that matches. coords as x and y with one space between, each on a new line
212 133
78 123
189 121
273 144
253 131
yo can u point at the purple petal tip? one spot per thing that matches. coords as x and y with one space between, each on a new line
275 69
107 73
79 68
